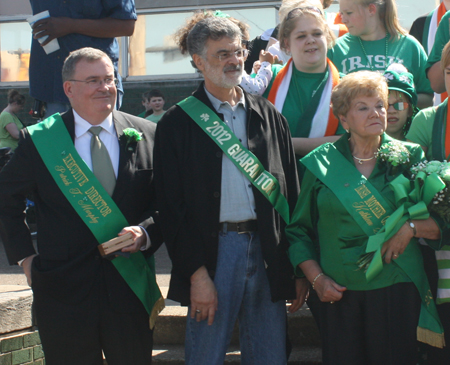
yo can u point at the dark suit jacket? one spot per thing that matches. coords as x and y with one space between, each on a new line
188 176
68 260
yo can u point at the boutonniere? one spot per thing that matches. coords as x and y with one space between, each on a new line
394 154
133 137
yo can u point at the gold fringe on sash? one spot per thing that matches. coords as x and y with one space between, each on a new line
430 337
157 308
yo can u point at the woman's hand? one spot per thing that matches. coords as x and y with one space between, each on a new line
328 290
396 245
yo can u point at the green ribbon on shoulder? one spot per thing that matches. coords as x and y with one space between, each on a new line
375 216
242 158
94 206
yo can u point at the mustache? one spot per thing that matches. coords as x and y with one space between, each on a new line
232 68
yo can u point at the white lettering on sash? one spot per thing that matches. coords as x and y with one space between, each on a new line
266 183
233 149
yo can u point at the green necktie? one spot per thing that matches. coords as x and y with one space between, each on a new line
101 162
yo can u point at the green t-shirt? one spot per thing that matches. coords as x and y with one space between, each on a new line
6 140
300 106
442 37
323 230
421 130
348 56
155 118
142 115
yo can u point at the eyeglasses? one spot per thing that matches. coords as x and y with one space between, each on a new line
224 56
402 105
293 12
94 83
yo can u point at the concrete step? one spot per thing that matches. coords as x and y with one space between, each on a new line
174 355
171 326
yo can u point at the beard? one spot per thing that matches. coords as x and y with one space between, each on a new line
222 77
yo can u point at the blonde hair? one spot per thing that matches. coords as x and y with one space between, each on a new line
387 12
290 22
445 57
353 85
288 5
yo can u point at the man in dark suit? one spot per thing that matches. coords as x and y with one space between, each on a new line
81 300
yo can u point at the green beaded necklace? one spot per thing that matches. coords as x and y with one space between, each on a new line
386 54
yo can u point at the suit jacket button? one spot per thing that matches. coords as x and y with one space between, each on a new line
216 194
213 234
219 154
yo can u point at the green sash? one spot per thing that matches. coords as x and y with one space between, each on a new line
94 206
439 130
370 211
242 158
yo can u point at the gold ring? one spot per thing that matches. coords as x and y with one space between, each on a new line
332 302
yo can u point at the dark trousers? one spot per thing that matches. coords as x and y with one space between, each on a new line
369 327
77 334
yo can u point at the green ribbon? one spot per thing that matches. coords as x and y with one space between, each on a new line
94 206
241 157
412 201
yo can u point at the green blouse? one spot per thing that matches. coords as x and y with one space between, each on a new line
6 140
322 229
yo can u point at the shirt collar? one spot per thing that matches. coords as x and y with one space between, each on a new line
216 103
82 126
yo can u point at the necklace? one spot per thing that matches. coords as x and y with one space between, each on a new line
385 56
361 160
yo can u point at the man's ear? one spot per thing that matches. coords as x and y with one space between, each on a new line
199 61
68 89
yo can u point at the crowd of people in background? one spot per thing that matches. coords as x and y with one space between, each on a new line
283 178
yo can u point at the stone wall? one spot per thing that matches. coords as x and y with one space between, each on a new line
21 348
19 339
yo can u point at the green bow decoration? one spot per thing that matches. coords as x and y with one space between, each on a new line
411 201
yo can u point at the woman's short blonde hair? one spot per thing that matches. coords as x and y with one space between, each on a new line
445 58
290 22
361 83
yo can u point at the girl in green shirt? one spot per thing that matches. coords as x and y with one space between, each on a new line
10 124
301 90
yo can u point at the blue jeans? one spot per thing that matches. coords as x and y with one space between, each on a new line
244 294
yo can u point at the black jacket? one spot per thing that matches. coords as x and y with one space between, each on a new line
69 262
188 173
